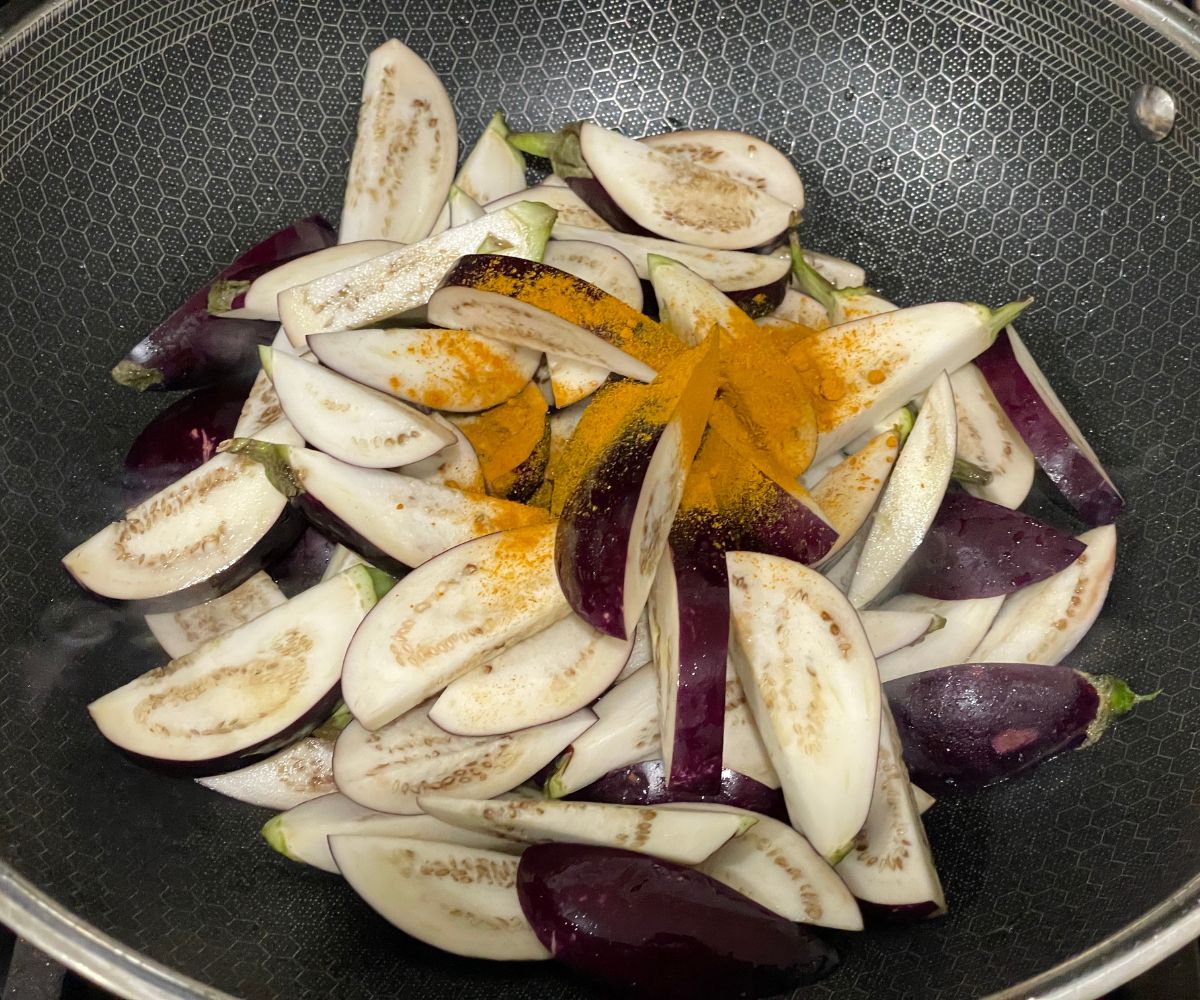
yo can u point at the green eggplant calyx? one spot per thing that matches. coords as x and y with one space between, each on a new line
134 376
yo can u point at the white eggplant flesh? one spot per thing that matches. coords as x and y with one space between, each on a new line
394 283
494 168
1043 622
890 630
684 836
294 775
911 499
463 208
743 750
302 832
258 299
796 309
340 560
405 153
572 210
965 625
909 347
626 732
778 868
729 270
988 439
197 527
262 410
572 381
247 692
840 572
676 199
848 492
738 155
462 900
429 366
810 680
924 800
449 616
456 465
643 649
388 769
550 675
890 864
349 421
180 632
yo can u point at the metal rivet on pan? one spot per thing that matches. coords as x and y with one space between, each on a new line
1152 111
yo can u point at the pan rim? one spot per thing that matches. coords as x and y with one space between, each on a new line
35 916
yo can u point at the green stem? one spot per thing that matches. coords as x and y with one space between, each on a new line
1116 698
811 283
969 474
998 319
222 294
543 144
553 789
273 458
135 376
380 580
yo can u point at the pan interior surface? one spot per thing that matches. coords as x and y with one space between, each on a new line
957 149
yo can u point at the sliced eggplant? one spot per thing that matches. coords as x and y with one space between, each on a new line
890 868
257 299
200 536
191 348
1044 622
888 631
643 650
689 627
180 632
626 732
405 152
246 693
976 548
348 421
776 867
460 899
912 497
456 465
1055 439
964 625
743 749
303 565
795 309
973 724
548 676
658 929
841 305
389 768
641 190
181 438
493 169
572 210
261 410
387 286
615 521
491 295
451 370
687 837
738 155
756 282
863 370
988 439
340 560
302 833
286 779
645 784
449 616
511 442
923 799
394 521
811 683
848 492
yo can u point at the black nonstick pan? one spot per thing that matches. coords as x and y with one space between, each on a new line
958 149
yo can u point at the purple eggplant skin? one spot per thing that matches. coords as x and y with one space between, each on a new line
310 720
976 548
877 913
302 565
974 724
1069 466
591 546
761 301
658 929
181 438
191 348
702 583
333 528
645 784
597 198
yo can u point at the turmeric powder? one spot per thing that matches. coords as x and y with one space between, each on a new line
454 369
507 435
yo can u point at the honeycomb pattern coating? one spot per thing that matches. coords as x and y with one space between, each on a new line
956 149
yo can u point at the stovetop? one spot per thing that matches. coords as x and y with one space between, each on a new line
27 974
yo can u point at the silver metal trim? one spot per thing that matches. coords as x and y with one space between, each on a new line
1108 964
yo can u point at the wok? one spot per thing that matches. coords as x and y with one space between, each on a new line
959 149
